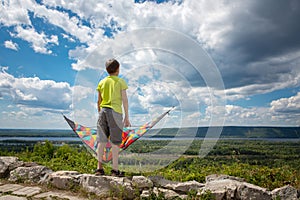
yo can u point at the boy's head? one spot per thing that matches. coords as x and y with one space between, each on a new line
112 66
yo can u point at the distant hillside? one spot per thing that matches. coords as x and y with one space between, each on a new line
35 133
230 132
227 132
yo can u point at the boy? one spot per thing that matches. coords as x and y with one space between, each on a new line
111 96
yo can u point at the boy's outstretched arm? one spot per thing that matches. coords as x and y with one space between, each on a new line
125 106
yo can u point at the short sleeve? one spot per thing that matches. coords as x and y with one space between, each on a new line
124 85
99 86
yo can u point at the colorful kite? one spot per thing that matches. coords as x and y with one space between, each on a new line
129 136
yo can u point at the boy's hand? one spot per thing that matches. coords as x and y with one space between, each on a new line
126 122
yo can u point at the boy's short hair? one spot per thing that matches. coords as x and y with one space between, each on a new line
112 65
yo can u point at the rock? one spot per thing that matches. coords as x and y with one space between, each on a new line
8 188
185 186
222 189
10 197
122 186
146 194
33 174
219 187
64 180
216 177
165 193
8 164
159 181
141 182
287 193
27 191
247 191
66 173
95 184
57 196
104 186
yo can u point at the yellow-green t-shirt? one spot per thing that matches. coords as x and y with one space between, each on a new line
111 92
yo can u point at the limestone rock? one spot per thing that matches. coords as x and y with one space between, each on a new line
222 189
105 186
66 173
165 193
8 164
10 197
64 179
216 177
141 182
159 181
287 192
146 194
33 174
247 191
185 186
56 196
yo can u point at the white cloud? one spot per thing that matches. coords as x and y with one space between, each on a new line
237 115
16 14
25 97
11 45
158 93
34 92
69 38
13 13
72 25
32 102
213 24
245 44
286 110
26 117
81 92
39 41
287 105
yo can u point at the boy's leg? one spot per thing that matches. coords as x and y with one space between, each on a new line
115 157
102 137
115 121
100 152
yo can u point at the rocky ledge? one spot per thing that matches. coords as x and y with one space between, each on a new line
219 187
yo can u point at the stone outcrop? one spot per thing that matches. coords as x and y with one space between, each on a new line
32 174
105 186
219 187
64 180
8 164
287 193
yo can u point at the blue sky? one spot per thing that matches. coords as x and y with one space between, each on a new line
219 62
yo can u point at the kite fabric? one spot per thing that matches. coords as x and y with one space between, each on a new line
129 136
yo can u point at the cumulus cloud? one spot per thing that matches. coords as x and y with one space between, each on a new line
39 41
16 14
255 46
81 92
13 13
245 45
158 93
237 115
287 105
241 43
247 52
286 110
34 92
11 45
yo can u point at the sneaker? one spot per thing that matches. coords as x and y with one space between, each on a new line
99 172
117 173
